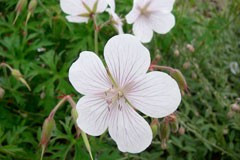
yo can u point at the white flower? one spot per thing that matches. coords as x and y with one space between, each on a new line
151 15
80 10
116 20
112 97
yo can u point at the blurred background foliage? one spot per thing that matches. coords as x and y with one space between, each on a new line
204 45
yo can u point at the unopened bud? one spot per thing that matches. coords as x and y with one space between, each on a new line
32 5
178 76
225 131
174 126
158 57
176 53
48 126
186 65
235 107
181 131
164 130
74 114
2 92
16 74
19 77
190 48
154 126
20 5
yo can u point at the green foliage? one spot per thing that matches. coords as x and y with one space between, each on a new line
212 27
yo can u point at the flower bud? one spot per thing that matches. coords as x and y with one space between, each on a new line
178 76
235 107
74 114
174 126
2 92
176 53
19 77
16 74
32 5
20 5
47 129
190 48
164 130
186 65
181 131
158 57
154 126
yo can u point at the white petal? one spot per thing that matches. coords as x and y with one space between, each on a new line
72 7
77 19
111 3
101 5
142 29
165 6
92 115
162 23
130 131
126 58
132 15
88 75
156 94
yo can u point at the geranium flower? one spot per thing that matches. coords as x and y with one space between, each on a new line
112 96
151 15
81 10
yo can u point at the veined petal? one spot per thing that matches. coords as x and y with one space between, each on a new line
132 15
77 19
156 94
92 115
142 29
72 7
162 23
126 58
165 6
130 131
88 75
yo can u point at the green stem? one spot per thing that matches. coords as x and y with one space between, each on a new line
58 106
96 30
166 68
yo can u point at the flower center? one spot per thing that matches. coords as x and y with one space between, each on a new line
113 96
144 10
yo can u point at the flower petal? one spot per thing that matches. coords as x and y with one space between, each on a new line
132 15
156 94
92 115
162 23
126 58
111 3
130 131
77 19
165 6
88 75
142 29
72 7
